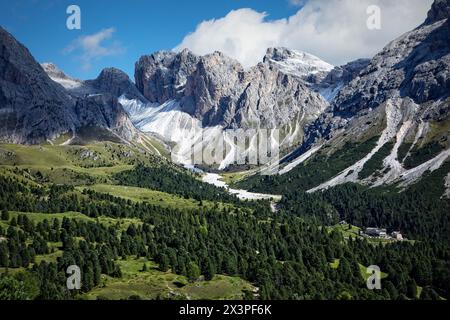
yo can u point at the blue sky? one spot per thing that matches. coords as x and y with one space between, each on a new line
141 27
117 32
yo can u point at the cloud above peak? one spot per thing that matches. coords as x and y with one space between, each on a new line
334 30
92 47
243 34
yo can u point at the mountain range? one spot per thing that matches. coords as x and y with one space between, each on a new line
399 99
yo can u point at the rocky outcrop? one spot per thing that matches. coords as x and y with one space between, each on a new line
417 65
189 94
55 73
343 75
115 82
104 111
273 99
213 89
447 186
162 76
110 81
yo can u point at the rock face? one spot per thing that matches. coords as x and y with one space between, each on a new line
34 108
399 96
110 81
447 185
346 73
115 82
340 76
315 73
213 93
162 76
417 65
218 91
440 10
104 111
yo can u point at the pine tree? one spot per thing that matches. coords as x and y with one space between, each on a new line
5 215
164 263
411 288
4 261
193 271
13 222
210 270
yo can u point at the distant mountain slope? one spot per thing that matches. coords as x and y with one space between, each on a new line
400 99
34 109
214 93
218 91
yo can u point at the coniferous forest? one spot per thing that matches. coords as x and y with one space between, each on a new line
291 254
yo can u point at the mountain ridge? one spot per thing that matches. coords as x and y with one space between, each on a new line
36 109
399 95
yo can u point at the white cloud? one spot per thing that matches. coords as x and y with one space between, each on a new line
297 3
334 30
92 47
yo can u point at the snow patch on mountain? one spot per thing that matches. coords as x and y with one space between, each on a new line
297 63
60 77
167 121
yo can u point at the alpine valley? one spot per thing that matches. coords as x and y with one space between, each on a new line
99 174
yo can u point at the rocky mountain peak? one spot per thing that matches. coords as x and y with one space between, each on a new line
218 90
302 65
440 10
411 76
112 75
416 65
115 82
53 71
162 75
58 76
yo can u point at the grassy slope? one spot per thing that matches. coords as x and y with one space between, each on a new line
124 223
67 165
153 284
70 165
76 164
153 197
